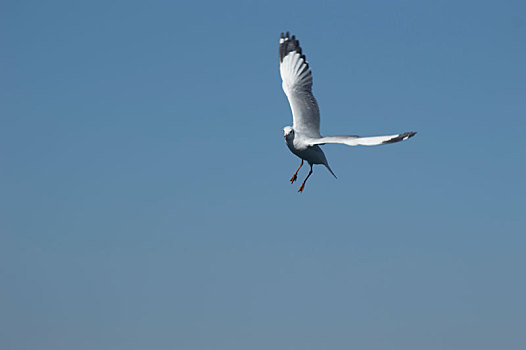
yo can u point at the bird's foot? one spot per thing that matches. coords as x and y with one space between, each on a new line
301 188
293 178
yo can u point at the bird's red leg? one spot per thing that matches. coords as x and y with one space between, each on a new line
295 176
303 184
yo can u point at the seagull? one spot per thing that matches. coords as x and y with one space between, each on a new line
303 138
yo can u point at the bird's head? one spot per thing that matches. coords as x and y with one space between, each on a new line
288 131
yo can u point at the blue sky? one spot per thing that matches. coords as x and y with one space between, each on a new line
145 201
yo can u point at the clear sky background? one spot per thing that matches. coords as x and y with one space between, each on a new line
145 201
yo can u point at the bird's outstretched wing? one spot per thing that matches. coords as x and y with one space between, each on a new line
297 84
351 140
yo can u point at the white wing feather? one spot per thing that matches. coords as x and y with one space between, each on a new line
297 85
351 140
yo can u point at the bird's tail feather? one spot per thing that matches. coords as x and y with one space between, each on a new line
329 168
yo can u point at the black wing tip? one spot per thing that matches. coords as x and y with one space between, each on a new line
409 134
288 44
401 137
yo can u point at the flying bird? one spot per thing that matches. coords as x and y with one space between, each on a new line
304 138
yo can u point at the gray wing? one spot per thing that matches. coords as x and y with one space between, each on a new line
351 140
297 84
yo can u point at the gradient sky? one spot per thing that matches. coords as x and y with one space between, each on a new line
145 201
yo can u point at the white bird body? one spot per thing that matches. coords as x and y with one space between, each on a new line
303 137
311 153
